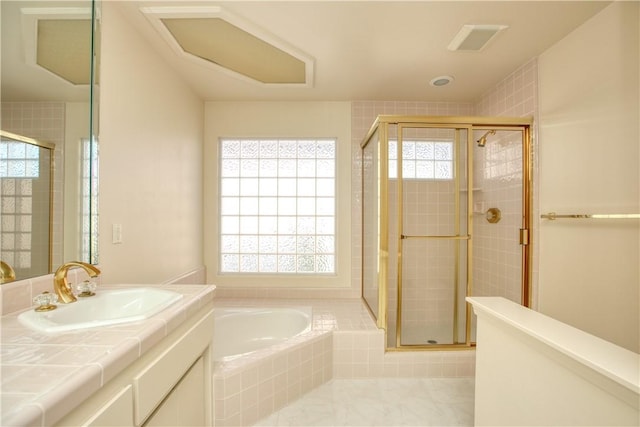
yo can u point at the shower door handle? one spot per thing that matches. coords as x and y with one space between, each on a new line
455 237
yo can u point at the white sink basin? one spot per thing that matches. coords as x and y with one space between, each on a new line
107 307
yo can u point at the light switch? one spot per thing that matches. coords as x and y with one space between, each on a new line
116 233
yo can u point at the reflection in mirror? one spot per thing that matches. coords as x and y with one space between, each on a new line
26 170
6 273
48 63
89 209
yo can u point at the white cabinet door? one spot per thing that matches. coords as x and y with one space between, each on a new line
116 412
153 383
185 405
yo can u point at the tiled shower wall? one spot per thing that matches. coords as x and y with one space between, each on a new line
44 121
497 252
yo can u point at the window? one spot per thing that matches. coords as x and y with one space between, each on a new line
19 160
277 206
89 235
19 168
422 160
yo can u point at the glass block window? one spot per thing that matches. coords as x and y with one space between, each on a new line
422 160
16 221
19 160
19 166
277 206
89 235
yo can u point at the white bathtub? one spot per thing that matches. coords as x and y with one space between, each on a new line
240 331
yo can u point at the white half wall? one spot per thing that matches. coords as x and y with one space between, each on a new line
532 370
589 88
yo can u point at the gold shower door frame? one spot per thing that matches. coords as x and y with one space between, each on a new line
458 124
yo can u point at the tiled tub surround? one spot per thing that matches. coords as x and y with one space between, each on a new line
44 377
253 386
344 343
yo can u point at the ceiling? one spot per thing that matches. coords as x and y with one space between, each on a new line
360 50
380 50
45 50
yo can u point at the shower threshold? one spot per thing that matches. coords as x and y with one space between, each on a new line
427 335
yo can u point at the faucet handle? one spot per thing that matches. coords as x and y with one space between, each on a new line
86 289
46 301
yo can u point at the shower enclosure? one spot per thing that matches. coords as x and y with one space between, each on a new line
446 214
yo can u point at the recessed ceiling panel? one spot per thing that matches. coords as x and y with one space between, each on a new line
64 48
224 44
217 38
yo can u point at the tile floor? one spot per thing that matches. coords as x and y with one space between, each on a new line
382 402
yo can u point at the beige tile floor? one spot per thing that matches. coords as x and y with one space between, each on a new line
382 402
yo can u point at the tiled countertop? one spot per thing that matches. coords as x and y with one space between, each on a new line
45 376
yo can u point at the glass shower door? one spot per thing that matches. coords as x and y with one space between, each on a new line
372 268
429 187
432 198
499 248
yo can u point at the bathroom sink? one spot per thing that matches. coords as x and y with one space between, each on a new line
107 307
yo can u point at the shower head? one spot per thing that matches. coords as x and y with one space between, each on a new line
483 139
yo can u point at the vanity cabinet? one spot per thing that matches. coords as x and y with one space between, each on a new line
169 385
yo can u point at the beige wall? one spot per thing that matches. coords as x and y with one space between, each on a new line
589 163
280 119
150 161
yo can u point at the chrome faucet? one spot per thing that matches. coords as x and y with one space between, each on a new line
60 284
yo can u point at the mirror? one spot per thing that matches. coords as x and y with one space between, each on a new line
26 186
49 95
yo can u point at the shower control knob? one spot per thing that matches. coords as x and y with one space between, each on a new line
493 215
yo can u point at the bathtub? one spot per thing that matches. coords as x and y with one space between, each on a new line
264 358
242 331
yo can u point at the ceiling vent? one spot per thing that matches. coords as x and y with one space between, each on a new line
217 39
475 37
